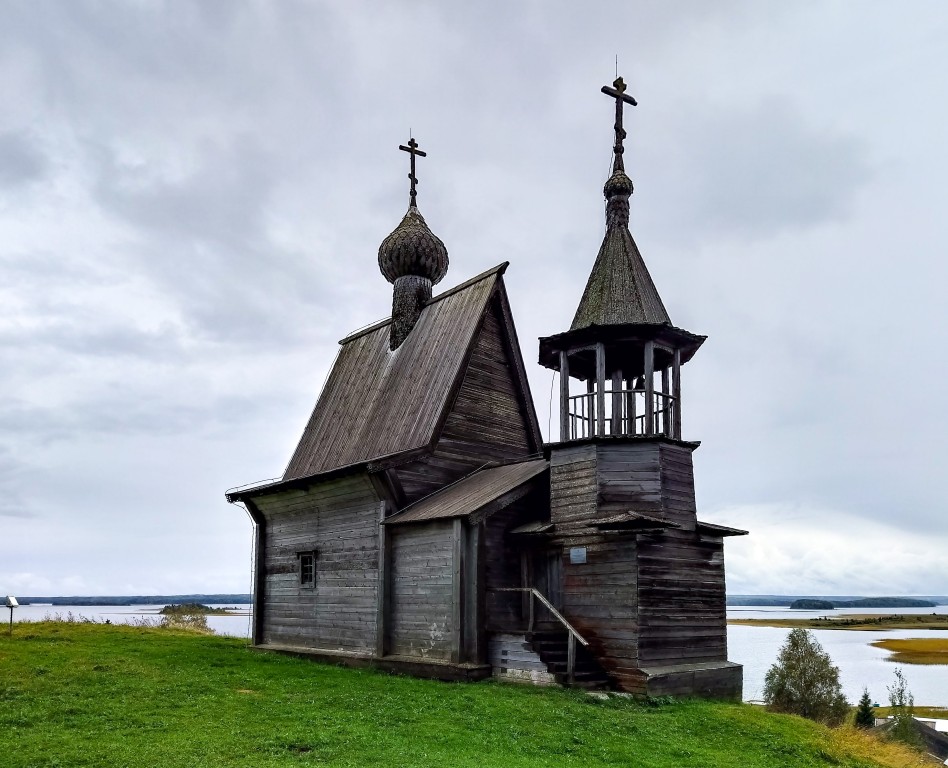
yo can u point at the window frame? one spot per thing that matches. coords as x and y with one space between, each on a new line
307 562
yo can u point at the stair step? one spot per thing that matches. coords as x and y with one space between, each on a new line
553 648
559 668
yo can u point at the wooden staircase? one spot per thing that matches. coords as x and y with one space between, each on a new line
552 646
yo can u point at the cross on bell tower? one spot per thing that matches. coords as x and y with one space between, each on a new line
617 91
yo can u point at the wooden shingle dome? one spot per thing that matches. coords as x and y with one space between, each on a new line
413 259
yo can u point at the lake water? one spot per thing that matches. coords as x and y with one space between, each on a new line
756 648
235 624
860 665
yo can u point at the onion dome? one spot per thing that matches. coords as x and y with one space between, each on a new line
413 249
617 184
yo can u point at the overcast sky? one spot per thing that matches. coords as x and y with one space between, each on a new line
192 195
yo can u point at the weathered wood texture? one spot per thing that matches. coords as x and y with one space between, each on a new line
599 596
378 402
681 577
423 621
717 680
337 519
681 600
502 561
478 491
512 657
647 600
488 421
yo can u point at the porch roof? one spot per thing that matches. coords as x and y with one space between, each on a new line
496 487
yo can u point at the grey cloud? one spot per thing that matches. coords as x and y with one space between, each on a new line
123 412
21 160
74 338
231 167
222 197
204 238
14 476
759 172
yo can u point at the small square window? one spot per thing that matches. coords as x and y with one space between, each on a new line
307 569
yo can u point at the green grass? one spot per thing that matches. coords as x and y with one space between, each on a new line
97 695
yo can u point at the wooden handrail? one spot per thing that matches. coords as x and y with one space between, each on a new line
571 637
539 596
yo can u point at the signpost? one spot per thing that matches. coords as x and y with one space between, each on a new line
11 604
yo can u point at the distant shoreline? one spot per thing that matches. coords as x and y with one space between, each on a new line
96 600
784 601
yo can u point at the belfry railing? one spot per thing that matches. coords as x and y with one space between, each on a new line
626 414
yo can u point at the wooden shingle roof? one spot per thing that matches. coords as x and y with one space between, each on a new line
505 483
379 402
620 289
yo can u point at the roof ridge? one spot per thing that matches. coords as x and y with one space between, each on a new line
499 270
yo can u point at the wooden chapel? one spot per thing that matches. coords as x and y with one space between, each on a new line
423 527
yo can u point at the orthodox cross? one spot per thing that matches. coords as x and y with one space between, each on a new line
412 149
617 91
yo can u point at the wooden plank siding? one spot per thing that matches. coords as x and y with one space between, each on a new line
652 600
423 621
681 576
681 600
486 422
339 521
599 596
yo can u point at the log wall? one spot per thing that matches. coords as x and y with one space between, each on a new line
600 595
339 520
682 601
647 600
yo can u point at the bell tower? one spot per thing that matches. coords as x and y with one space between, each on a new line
621 345
642 577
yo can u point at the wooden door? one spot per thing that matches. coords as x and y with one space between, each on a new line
544 573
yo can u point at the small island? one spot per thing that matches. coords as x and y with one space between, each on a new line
193 609
811 604
824 604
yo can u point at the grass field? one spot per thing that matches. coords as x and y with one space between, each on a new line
936 712
916 650
101 695
854 622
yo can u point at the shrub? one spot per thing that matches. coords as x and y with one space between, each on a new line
903 710
803 681
865 714
195 622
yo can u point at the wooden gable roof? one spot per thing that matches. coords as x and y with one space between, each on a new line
379 403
